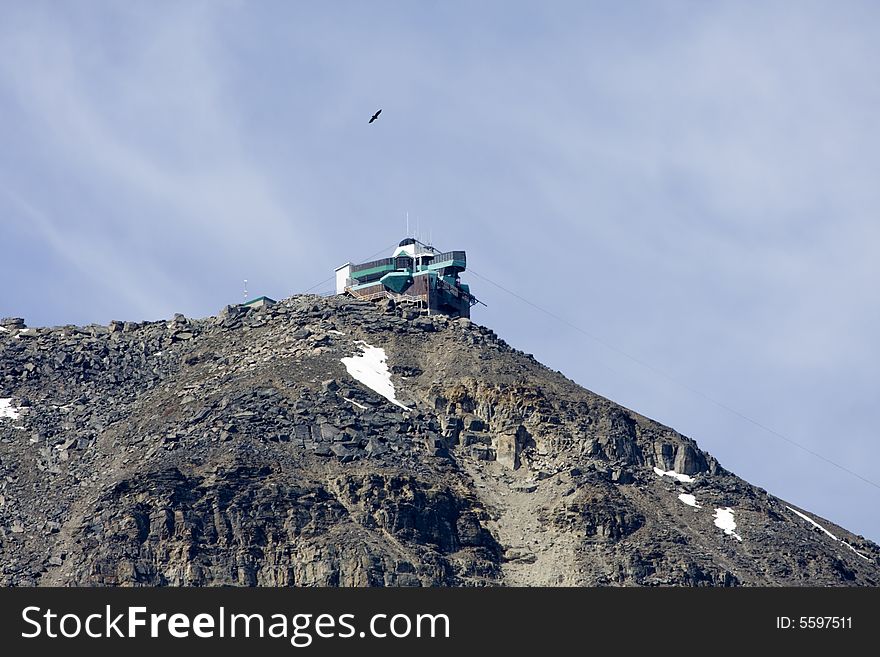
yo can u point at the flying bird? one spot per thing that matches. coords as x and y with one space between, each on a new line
375 116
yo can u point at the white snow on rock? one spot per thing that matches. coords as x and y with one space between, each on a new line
672 473
818 526
8 410
812 522
3 329
724 520
690 500
371 369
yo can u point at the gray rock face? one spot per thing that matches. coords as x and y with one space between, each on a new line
238 450
12 323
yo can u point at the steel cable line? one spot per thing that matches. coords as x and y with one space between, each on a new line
677 382
369 257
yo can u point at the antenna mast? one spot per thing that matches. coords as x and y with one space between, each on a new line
245 290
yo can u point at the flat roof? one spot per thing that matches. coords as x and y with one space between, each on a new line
263 298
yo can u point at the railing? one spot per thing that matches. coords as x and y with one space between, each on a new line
401 262
369 297
379 294
406 297
450 255
372 264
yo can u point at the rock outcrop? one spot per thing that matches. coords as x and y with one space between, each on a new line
242 450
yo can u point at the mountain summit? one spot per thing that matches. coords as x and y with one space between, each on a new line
332 441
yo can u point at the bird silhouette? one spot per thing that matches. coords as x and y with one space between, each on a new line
375 116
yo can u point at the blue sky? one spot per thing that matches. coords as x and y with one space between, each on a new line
693 183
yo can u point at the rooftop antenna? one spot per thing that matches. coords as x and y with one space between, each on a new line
245 290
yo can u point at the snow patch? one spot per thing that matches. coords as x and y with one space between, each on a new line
335 332
672 473
690 500
724 520
3 329
360 406
8 410
812 522
371 369
818 526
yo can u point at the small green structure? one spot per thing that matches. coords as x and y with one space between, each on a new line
259 302
415 273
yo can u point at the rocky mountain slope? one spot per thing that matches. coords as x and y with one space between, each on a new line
324 441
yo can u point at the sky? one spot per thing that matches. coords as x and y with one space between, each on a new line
692 185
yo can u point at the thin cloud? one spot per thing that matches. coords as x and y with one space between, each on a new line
98 261
189 185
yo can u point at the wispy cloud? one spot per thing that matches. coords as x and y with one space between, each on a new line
152 143
98 261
